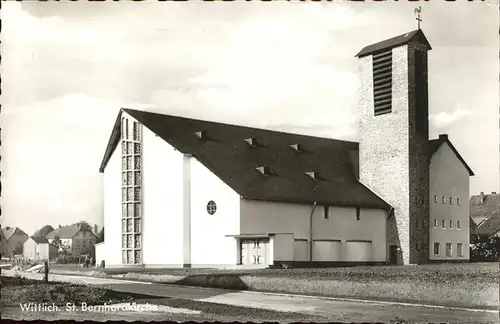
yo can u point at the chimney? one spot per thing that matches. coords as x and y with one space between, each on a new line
482 196
59 226
493 192
443 137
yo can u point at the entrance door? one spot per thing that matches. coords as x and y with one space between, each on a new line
393 254
260 251
254 251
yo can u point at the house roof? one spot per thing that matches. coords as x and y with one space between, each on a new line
63 232
435 144
483 206
227 151
472 226
9 231
39 239
414 37
490 226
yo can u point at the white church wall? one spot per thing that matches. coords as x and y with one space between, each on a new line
448 178
162 198
112 249
283 247
327 251
357 251
209 244
270 217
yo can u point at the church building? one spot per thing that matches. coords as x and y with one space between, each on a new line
182 192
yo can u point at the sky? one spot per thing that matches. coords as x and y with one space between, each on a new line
67 68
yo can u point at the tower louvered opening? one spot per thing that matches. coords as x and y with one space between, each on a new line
382 82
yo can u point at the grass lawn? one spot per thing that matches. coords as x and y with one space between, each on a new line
16 290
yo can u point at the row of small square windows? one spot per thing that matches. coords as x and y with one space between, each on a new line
449 252
443 223
443 200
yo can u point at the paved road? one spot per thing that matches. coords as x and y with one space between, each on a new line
330 308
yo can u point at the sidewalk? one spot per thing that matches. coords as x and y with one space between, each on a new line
332 308
459 294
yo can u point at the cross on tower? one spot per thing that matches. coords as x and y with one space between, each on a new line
418 11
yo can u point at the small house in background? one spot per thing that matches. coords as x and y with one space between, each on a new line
38 248
12 241
73 239
484 206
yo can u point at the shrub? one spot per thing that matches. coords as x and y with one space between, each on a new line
485 248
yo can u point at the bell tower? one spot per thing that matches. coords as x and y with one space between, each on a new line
394 133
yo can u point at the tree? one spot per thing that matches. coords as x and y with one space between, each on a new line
83 225
42 232
485 248
100 236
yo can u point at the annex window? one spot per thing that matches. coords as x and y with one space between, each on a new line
358 213
443 223
448 250
460 250
436 248
327 210
458 224
443 199
382 82
435 222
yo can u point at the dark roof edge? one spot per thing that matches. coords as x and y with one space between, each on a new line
307 202
114 138
393 42
447 141
131 113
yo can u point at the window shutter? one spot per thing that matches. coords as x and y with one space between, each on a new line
382 82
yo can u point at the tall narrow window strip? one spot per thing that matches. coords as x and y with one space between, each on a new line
458 224
382 82
458 201
451 200
358 213
327 216
451 224
435 222
443 223
443 199
435 199
131 193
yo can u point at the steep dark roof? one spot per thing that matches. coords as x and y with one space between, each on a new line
9 231
225 151
472 226
436 143
39 239
490 226
484 206
63 232
416 36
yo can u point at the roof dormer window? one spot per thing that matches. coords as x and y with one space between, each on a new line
313 175
200 134
251 141
264 170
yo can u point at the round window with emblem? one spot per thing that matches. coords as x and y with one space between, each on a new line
211 207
